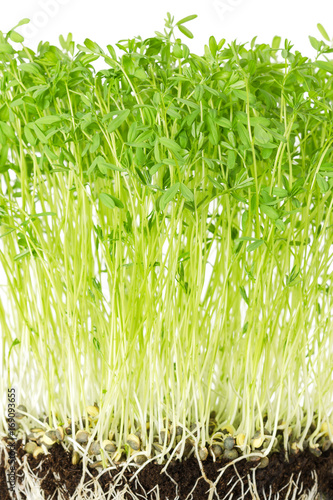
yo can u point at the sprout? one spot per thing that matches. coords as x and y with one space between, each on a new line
166 248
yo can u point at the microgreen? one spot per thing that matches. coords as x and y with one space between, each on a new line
166 233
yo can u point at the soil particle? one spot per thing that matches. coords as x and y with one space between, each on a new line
56 470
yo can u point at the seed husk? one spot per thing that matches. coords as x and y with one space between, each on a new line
215 450
240 438
228 429
324 427
203 453
75 458
178 430
264 461
229 443
31 437
37 430
82 437
257 440
294 449
140 459
96 465
281 424
211 426
118 455
315 450
94 448
158 447
18 413
165 434
187 448
254 459
134 442
194 429
109 446
93 411
30 447
230 454
38 451
267 442
60 434
49 438
326 444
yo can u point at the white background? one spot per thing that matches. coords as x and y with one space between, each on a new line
108 21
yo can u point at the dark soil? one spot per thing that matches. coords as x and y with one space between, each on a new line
185 474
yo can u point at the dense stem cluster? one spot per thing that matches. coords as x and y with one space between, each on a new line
166 236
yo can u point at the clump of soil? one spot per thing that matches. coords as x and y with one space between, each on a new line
56 471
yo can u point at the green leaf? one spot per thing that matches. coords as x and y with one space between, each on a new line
112 52
223 122
155 168
7 130
41 214
31 68
215 183
39 133
231 159
325 65
323 32
22 22
314 42
6 48
169 195
186 192
95 143
269 211
243 134
280 224
97 345
173 113
261 136
212 45
21 255
110 201
187 19
280 192
102 165
253 246
48 120
214 134
244 294
241 94
14 343
322 183
238 85
29 136
170 144
16 37
94 47
7 232
185 31
244 184
276 42
116 122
